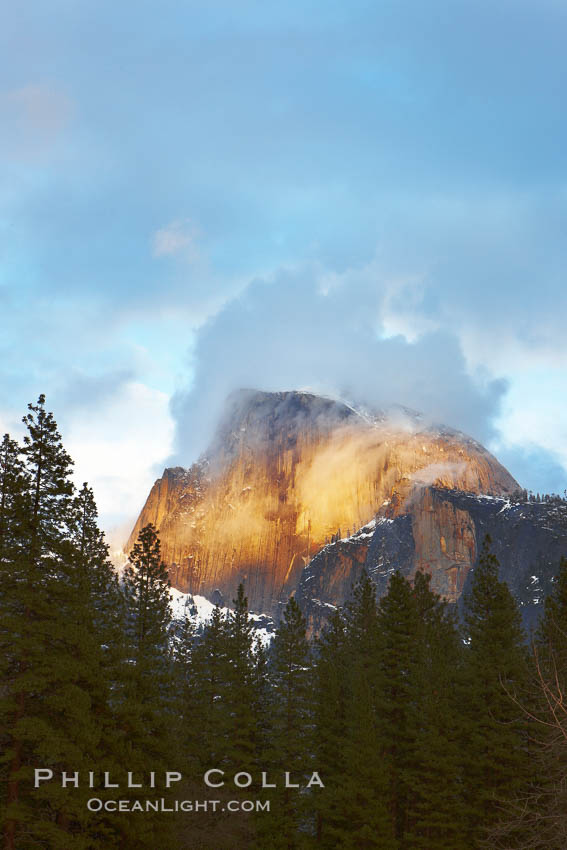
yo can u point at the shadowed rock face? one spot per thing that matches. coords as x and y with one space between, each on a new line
287 472
441 533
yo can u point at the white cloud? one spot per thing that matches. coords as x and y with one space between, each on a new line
534 411
293 331
178 238
118 449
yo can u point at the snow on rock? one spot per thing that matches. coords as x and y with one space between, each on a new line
366 532
200 610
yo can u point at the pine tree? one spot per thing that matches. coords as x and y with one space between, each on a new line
544 809
98 602
288 822
261 702
55 636
359 817
331 697
436 804
210 662
49 469
495 670
31 616
398 625
146 711
183 645
551 634
239 694
538 812
82 668
146 588
362 794
13 489
13 485
96 619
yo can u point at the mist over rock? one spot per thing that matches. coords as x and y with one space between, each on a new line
286 473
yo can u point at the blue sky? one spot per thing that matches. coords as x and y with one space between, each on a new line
367 198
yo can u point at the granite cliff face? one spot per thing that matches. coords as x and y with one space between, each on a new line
441 533
286 473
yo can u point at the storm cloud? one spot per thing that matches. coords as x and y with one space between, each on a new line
365 199
299 332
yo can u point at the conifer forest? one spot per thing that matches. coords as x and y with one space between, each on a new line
406 724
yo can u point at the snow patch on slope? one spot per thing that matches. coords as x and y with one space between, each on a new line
199 610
